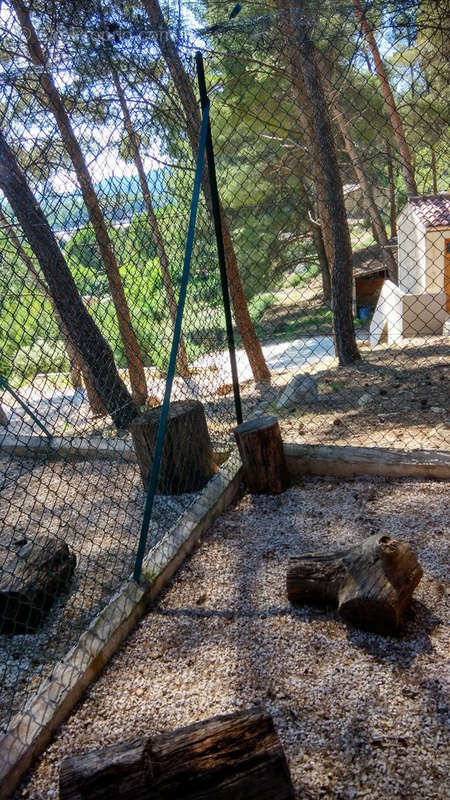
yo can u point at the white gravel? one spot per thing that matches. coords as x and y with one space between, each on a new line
359 715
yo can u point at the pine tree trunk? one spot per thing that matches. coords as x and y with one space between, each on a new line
434 171
56 106
342 270
367 194
81 328
391 107
324 266
183 364
187 97
330 200
392 202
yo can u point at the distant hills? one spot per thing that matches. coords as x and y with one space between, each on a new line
120 197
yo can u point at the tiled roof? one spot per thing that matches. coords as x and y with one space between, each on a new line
433 210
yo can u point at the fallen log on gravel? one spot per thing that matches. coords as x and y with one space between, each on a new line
371 584
238 755
40 572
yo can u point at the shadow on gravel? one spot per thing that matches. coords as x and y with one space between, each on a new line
403 649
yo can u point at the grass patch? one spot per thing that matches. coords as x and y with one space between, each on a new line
259 304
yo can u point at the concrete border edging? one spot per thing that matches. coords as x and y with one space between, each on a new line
351 462
32 728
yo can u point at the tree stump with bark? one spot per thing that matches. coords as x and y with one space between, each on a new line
261 449
187 462
31 582
234 756
371 584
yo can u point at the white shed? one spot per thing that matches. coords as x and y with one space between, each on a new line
420 304
423 229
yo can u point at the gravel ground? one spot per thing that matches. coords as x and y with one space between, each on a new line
96 507
359 715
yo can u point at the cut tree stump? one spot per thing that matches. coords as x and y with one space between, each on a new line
29 585
371 584
187 462
224 758
261 448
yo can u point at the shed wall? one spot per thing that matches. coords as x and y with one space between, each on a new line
411 253
435 241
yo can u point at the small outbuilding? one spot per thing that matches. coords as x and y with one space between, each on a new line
420 304
423 230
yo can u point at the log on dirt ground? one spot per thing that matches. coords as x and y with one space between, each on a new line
227 757
371 584
187 461
31 582
261 449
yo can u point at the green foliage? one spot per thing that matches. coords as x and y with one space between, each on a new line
42 356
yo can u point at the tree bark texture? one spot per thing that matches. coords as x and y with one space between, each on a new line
234 756
324 265
56 106
300 52
342 271
392 201
41 571
187 461
391 106
371 584
183 364
81 328
193 121
261 449
367 194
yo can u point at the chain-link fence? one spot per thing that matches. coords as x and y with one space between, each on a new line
330 127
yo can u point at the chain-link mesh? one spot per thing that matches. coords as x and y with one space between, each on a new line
330 127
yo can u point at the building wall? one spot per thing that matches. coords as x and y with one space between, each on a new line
435 240
411 253
423 314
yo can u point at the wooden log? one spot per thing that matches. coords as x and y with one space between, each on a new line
371 584
31 582
224 758
187 461
261 449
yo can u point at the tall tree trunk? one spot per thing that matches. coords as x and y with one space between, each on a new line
391 107
301 52
187 98
323 261
342 272
183 364
392 201
81 328
78 369
434 170
56 105
368 198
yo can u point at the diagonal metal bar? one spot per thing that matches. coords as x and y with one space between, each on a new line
5 385
219 239
153 480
